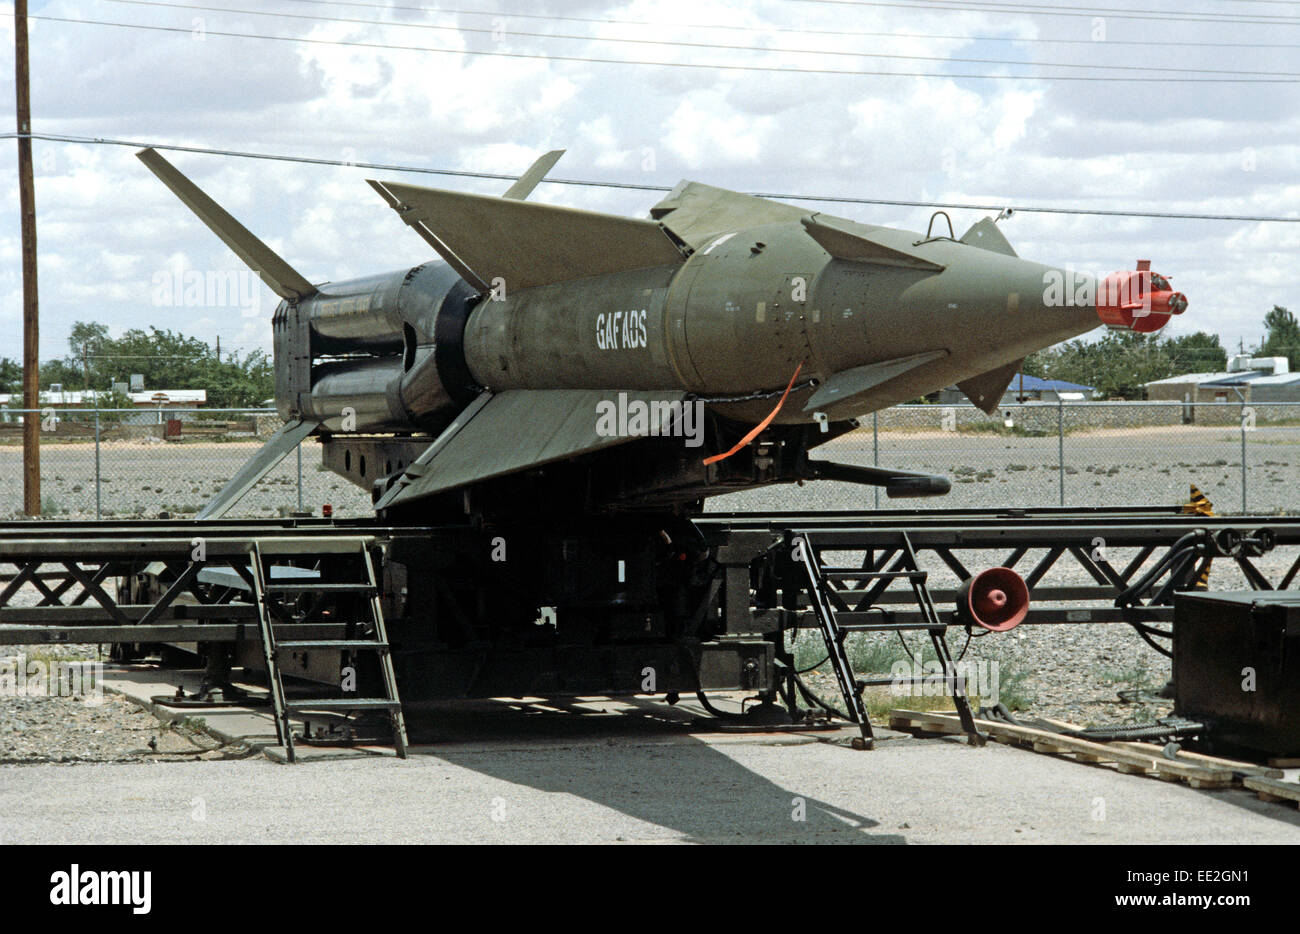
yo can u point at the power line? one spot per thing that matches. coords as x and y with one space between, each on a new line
187 30
634 186
503 14
1160 16
700 45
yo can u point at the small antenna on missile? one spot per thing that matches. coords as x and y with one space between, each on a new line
1004 214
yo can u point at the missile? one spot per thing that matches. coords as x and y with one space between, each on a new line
555 359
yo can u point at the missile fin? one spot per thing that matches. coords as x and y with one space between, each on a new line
863 244
985 391
283 279
520 429
697 212
986 235
290 435
526 244
524 185
416 223
848 387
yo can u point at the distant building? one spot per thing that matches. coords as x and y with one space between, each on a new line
59 398
1247 379
1028 389
151 403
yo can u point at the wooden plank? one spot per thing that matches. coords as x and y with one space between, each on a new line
905 723
1270 789
1186 755
1136 759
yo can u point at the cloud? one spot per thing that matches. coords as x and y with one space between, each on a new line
106 226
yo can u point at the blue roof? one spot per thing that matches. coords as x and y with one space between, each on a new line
1037 384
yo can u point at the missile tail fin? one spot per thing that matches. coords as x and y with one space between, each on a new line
985 391
524 185
985 235
290 435
283 279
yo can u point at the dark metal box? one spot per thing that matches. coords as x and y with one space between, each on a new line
1237 667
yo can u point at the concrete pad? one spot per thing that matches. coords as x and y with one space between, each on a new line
461 726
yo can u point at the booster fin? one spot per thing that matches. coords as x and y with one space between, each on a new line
284 280
290 435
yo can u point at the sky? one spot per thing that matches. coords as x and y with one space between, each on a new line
475 94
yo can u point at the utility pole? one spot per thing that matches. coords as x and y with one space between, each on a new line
31 331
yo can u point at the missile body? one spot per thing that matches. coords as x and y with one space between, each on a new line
738 315
777 328
743 312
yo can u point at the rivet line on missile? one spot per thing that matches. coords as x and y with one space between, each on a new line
636 186
761 426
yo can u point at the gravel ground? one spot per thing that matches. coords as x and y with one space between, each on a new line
142 479
89 725
45 718
614 787
1135 466
68 729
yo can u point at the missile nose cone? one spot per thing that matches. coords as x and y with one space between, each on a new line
1139 300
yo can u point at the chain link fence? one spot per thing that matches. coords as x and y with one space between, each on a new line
139 463
1242 455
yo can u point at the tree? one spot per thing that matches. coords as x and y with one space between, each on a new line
1118 364
1196 353
86 340
1281 336
11 375
61 372
166 360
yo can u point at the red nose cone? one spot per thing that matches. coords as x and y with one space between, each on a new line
1141 300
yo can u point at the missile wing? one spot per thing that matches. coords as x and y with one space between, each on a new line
522 244
697 213
544 426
